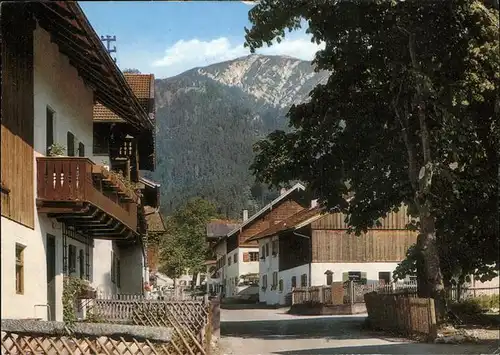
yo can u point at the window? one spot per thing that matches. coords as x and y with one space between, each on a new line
267 250
229 260
275 280
274 247
355 276
19 269
49 129
384 276
329 277
72 258
263 252
294 281
101 139
264 282
70 143
254 256
303 280
112 267
118 278
235 258
81 263
81 149
280 285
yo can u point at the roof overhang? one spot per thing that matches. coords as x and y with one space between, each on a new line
70 29
296 187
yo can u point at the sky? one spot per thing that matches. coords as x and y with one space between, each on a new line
168 38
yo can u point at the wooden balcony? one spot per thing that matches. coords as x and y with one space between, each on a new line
86 196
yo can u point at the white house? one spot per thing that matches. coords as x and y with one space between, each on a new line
311 248
58 217
238 257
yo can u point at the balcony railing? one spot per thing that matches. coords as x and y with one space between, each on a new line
70 185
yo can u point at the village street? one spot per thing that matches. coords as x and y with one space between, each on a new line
266 332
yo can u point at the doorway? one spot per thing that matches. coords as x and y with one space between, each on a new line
51 277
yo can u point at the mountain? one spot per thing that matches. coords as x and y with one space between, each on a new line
208 120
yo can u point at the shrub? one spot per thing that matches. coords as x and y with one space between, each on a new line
489 301
470 306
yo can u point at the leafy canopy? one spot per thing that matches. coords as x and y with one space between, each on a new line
183 246
409 115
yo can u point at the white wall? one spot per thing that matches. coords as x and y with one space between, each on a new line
318 276
102 267
238 269
287 275
266 267
132 269
57 85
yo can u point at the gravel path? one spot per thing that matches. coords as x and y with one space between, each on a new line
269 332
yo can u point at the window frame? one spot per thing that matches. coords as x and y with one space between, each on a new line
293 281
81 263
303 280
52 112
255 254
72 255
19 268
70 144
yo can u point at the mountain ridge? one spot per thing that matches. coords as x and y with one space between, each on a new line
208 119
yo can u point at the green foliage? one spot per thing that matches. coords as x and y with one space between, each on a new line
94 316
408 115
183 246
57 149
469 306
72 288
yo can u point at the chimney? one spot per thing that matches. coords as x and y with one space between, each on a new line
245 215
283 191
314 203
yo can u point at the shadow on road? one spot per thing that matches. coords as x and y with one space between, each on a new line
408 348
303 328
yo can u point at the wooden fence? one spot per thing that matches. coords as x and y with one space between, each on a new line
400 313
20 337
348 292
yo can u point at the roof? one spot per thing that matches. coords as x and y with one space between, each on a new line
71 31
154 220
142 86
150 183
296 221
296 187
219 228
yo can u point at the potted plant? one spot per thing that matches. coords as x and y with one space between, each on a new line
57 150
105 165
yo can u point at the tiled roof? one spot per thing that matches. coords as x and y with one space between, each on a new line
142 86
290 222
102 113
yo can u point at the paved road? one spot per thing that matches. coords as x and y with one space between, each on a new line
269 332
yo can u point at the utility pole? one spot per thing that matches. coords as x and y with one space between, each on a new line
108 39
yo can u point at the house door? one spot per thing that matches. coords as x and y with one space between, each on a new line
51 276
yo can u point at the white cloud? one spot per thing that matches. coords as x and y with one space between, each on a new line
187 54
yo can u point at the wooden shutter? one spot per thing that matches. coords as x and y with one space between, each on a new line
246 257
49 131
81 149
70 140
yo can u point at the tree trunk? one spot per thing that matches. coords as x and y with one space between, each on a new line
429 277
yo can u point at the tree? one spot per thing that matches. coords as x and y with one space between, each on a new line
407 116
183 246
131 71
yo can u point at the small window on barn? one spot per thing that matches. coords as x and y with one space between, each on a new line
263 253
264 282
49 129
329 277
70 143
20 269
254 256
72 258
275 280
294 281
229 260
267 250
81 149
81 263
274 247
384 276
280 285
235 258
303 280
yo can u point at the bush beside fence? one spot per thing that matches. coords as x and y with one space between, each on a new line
402 314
